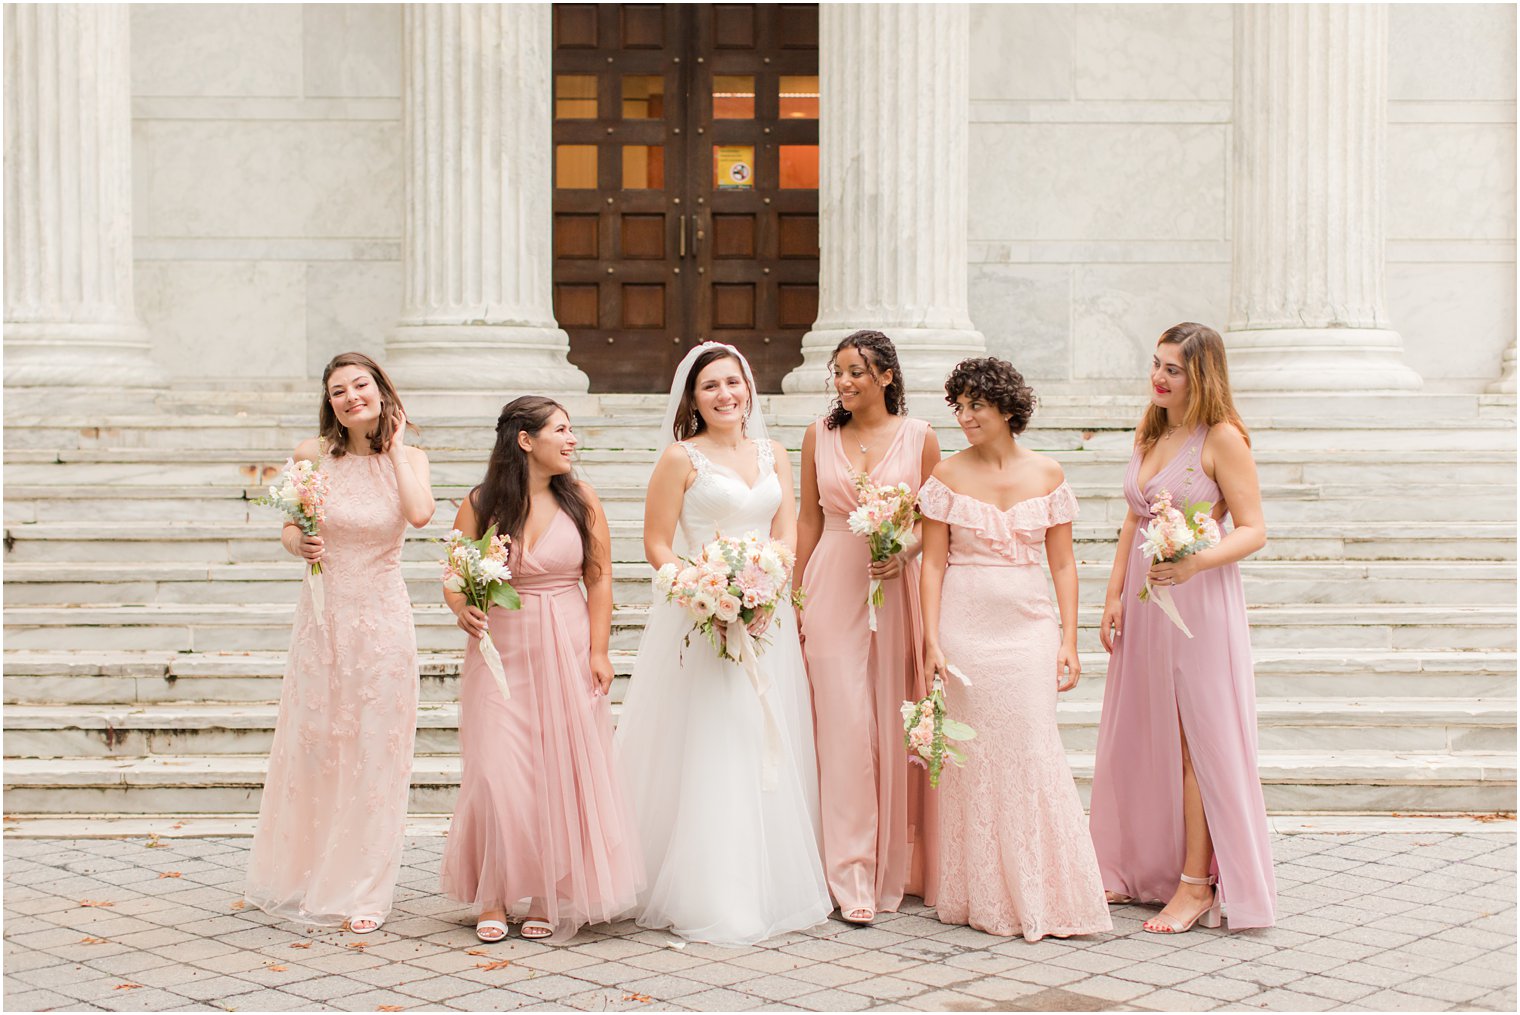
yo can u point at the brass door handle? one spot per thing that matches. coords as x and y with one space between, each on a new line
682 229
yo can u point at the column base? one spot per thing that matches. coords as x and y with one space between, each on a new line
927 356
63 355
1318 359
1505 385
512 360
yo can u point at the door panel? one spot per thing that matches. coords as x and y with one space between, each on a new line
685 203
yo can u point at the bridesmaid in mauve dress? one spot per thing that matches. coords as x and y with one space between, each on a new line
1015 855
540 827
872 800
332 818
1177 803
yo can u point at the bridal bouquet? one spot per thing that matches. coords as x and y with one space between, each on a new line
731 581
477 569
300 494
928 730
885 517
1174 533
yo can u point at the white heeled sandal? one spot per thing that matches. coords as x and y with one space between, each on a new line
491 931
1171 925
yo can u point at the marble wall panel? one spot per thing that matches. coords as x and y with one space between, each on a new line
1451 52
353 50
1024 310
270 178
1451 181
350 305
1021 51
1119 310
1098 181
1153 51
216 49
225 318
1456 319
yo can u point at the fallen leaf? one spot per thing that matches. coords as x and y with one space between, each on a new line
153 843
477 951
498 964
359 945
177 825
274 968
97 905
390 1007
239 904
301 944
93 941
170 874
127 986
640 998
9 818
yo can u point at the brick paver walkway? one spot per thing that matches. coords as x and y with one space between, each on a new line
1384 920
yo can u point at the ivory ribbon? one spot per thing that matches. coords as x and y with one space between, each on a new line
741 645
314 582
871 601
1162 596
493 663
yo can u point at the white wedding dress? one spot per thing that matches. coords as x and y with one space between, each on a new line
727 861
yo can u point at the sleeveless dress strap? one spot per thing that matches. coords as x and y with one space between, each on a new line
766 456
698 459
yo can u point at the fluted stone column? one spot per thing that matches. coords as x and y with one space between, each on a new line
893 180
478 307
70 318
1311 116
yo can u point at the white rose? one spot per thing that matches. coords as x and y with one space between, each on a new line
454 583
727 609
493 571
665 579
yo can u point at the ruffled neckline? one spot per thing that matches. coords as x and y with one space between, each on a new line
1004 529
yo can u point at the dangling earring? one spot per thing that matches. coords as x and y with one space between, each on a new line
695 419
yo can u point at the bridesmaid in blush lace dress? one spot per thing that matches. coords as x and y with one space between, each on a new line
1177 805
540 825
1015 856
328 844
874 846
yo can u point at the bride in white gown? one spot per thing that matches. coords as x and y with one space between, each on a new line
731 856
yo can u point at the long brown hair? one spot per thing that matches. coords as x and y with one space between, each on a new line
333 435
502 497
1209 400
689 422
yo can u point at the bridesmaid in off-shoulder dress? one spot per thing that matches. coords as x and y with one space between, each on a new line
1015 855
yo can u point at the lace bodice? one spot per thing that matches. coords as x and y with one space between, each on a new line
719 501
982 534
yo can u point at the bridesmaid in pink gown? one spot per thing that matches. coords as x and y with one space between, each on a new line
1015 855
332 817
1177 804
540 826
872 801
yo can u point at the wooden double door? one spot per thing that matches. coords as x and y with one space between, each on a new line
686 185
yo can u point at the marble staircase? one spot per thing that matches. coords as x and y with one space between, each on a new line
147 601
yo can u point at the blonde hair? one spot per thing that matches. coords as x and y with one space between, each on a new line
1208 398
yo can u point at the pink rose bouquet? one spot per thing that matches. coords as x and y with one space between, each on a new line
885 517
478 570
1171 534
300 494
928 731
732 581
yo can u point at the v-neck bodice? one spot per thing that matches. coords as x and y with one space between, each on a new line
721 502
1183 476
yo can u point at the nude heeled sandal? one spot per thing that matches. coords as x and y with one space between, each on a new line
1171 925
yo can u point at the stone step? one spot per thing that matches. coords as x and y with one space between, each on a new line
1402 725
1334 538
140 502
217 627
1346 782
96 676
1267 582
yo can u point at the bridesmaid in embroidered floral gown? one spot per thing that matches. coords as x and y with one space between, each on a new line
540 826
1178 814
1015 856
328 844
874 842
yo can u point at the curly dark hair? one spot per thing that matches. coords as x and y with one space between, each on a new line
880 356
993 380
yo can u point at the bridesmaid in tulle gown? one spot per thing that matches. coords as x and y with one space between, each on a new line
1015 856
874 843
1177 805
540 829
333 813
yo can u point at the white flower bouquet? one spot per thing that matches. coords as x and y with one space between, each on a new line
478 570
928 730
1171 534
300 494
885 517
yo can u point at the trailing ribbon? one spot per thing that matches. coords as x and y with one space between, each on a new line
1162 597
493 663
872 601
314 582
741 646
